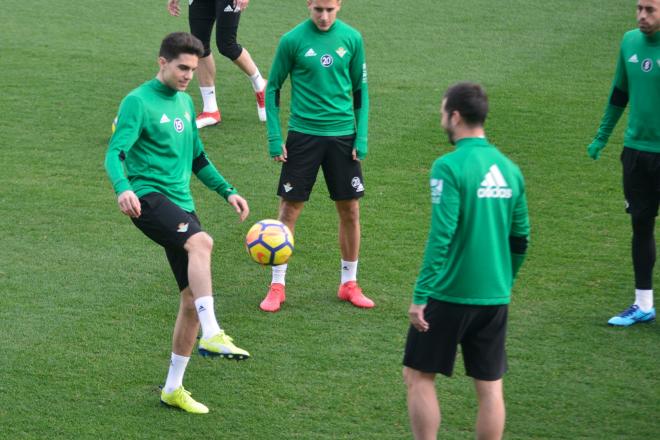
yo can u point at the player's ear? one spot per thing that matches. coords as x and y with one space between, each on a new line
162 62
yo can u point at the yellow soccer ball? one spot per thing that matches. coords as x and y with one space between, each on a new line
269 242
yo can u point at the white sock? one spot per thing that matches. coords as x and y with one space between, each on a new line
348 271
206 314
279 273
258 82
644 299
208 96
178 366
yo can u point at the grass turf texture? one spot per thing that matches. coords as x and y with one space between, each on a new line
88 304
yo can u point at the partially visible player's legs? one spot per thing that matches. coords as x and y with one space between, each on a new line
423 406
641 187
289 212
225 32
492 413
201 18
214 341
349 243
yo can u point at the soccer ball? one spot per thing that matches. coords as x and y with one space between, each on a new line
269 242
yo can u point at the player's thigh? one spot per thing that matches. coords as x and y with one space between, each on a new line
343 175
298 174
166 223
434 351
483 343
201 18
641 182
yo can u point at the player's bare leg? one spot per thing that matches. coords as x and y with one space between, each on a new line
289 211
349 243
423 406
492 414
247 65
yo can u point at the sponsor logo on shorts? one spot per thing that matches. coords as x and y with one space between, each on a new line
183 227
436 190
287 187
327 60
647 65
357 184
178 125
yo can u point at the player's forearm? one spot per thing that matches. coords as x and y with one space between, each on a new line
115 171
518 246
361 107
211 177
613 111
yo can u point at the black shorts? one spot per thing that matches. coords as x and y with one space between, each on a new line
169 226
641 182
306 153
480 330
203 14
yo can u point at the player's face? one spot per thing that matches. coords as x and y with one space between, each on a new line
648 16
445 122
177 73
323 12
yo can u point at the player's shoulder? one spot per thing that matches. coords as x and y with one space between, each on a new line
347 29
632 36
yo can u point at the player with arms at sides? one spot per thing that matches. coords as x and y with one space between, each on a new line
476 244
225 14
637 82
325 60
151 157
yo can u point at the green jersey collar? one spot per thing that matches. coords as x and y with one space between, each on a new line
472 142
162 88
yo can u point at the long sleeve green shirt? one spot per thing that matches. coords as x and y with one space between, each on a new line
478 202
636 82
329 93
156 147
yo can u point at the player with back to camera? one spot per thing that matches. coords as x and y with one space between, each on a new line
327 129
476 244
157 143
637 82
225 14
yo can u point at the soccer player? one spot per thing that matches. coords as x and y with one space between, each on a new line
327 128
476 244
637 81
202 14
157 144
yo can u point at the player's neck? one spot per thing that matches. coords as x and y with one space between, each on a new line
469 132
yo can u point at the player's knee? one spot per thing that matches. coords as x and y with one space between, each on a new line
200 242
230 49
349 211
412 377
643 225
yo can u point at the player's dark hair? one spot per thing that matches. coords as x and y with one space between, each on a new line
177 43
469 100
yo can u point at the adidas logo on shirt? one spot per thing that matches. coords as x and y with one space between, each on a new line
310 53
164 119
494 186
633 59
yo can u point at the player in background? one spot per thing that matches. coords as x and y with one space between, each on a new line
637 82
157 144
327 128
476 244
225 14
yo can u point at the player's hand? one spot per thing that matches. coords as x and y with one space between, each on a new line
240 205
240 5
281 157
173 8
354 153
594 149
129 204
416 315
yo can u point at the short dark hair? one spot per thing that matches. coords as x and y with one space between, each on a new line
177 43
469 100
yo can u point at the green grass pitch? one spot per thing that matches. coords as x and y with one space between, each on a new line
87 304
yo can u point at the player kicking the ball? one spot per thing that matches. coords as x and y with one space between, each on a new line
156 141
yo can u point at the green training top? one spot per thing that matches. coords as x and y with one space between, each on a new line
329 94
157 140
637 80
478 203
